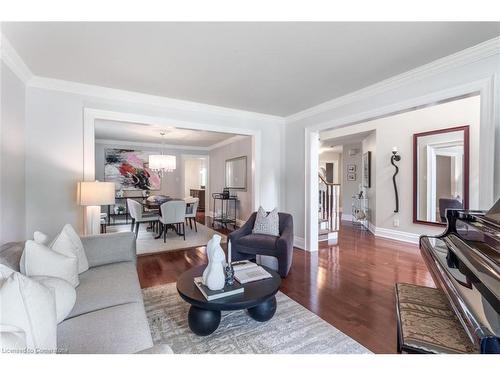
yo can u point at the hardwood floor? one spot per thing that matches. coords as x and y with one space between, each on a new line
349 285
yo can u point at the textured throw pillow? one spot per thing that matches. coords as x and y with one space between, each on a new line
64 294
68 243
30 307
41 238
267 223
39 260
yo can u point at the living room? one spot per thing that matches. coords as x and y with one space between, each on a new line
151 169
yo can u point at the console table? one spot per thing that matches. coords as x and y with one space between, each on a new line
227 215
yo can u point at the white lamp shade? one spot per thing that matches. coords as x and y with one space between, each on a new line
95 193
162 162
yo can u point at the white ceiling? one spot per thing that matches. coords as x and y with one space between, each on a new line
142 133
273 68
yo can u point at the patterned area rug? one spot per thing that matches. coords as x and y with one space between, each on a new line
293 329
146 244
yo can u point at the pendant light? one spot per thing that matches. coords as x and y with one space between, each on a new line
162 163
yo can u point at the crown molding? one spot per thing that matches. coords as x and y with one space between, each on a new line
114 142
225 142
147 99
12 59
467 56
206 149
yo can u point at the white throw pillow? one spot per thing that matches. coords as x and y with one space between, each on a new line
39 260
41 238
68 242
267 223
28 305
64 294
12 339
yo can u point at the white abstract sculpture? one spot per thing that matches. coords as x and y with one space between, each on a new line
213 276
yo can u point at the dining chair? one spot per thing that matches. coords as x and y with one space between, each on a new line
138 216
173 214
191 210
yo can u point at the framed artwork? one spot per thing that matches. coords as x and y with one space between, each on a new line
367 163
351 177
128 169
351 168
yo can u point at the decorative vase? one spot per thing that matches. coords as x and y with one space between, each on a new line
214 276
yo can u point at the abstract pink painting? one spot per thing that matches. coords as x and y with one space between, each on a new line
128 169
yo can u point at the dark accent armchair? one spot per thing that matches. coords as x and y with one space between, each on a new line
245 245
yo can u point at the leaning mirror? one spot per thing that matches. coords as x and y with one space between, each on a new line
236 173
440 173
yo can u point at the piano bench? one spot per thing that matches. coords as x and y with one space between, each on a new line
427 323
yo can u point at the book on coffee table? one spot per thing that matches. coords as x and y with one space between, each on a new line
210 295
246 272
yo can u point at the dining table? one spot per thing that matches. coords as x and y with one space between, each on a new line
155 204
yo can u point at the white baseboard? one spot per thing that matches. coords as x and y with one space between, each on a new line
392 234
299 242
331 236
395 235
346 217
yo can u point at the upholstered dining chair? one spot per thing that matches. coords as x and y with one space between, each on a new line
138 216
191 210
173 213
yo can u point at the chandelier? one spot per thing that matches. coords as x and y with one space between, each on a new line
162 163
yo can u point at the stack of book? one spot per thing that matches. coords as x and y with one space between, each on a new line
210 295
244 272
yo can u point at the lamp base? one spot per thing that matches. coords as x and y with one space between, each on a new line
92 220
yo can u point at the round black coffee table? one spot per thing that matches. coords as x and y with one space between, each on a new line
204 316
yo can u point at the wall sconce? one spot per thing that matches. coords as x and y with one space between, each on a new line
395 157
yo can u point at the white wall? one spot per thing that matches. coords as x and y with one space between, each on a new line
12 157
369 144
398 131
217 160
171 183
441 78
54 161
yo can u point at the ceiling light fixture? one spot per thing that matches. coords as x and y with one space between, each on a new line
162 163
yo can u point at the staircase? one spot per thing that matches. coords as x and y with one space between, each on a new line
329 207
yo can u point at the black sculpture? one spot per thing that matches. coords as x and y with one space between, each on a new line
395 157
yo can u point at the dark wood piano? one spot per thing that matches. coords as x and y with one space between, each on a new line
465 263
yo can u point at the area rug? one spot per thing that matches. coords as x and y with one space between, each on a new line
146 244
293 329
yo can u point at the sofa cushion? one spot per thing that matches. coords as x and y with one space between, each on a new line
104 286
39 260
10 255
117 329
63 292
69 243
30 307
262 241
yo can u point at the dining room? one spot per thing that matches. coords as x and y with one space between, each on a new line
165 183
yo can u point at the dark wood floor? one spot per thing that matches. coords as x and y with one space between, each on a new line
350 285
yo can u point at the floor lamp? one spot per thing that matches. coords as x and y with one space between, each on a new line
94 194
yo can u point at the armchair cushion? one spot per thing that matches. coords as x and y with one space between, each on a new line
262 241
